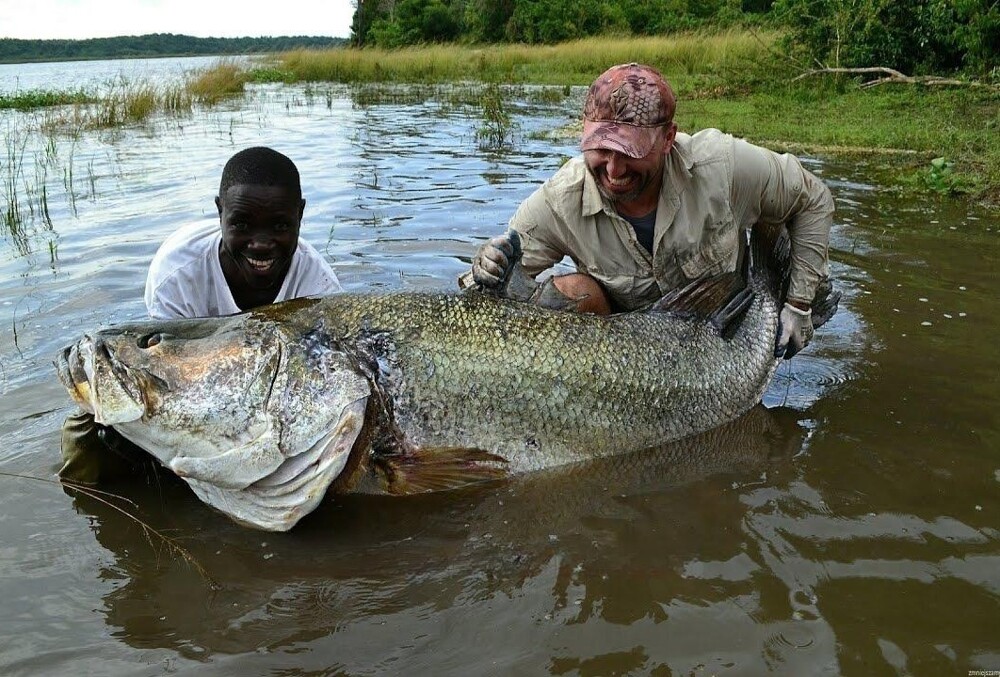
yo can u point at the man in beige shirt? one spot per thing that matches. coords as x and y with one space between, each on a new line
647 209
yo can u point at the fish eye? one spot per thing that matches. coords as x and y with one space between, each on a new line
149 340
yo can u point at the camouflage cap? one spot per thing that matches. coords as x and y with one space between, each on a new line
625 107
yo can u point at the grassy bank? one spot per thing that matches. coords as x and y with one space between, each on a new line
735 81
939 139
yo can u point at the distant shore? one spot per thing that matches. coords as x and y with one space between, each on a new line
733 80
153 46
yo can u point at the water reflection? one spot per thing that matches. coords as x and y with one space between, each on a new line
577 535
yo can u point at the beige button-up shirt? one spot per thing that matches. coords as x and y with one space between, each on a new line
715 188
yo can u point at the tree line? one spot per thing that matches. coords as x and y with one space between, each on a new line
152 45
917 36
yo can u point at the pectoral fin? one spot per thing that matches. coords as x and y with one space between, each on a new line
438 469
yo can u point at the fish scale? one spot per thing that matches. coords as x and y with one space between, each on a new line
578 386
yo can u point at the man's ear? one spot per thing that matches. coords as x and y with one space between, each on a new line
302 208
671 134
218 205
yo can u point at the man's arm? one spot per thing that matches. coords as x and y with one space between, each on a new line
775 188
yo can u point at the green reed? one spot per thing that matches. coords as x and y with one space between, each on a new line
224 80
15 141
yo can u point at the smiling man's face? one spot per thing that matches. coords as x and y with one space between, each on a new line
260 231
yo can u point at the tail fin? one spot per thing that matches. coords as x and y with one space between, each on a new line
825 302
771 256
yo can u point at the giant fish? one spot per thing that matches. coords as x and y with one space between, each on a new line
264 412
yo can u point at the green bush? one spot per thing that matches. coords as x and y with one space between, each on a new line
912 36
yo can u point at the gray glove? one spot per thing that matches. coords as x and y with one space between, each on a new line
795 330
489 265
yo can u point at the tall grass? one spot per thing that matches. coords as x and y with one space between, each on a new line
680 57
222 81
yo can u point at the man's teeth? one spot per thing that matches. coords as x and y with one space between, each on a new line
260 264
619 182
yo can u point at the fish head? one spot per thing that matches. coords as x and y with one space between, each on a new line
256 414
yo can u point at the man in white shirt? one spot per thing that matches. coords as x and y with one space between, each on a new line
252 257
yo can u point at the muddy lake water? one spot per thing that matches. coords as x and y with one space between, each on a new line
851 525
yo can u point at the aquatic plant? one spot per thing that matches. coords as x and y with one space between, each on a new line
15 140
497 128
36 98
225 79
942 178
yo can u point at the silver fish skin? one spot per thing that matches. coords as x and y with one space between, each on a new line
263 413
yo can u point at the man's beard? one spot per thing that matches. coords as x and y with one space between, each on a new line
644 181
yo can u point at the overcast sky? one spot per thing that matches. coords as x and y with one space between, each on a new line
78 19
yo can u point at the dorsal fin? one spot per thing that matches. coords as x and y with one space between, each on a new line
721 299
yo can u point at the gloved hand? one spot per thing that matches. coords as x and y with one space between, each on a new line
491 260
93 453
795 330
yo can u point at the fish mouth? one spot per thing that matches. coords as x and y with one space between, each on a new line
70 374
100 383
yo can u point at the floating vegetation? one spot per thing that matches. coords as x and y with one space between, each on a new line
36 98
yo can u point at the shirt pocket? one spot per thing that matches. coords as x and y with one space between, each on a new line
715 254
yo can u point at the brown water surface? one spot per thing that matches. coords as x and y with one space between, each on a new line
848 527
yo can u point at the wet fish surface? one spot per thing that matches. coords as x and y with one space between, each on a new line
264 412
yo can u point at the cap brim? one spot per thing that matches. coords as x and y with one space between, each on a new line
636 142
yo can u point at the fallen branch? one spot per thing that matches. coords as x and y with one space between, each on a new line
892 75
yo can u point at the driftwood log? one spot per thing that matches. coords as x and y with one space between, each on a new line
890 75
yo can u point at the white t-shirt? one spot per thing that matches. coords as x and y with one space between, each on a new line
186 280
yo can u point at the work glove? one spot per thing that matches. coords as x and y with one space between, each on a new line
489 265
93 453
795 330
